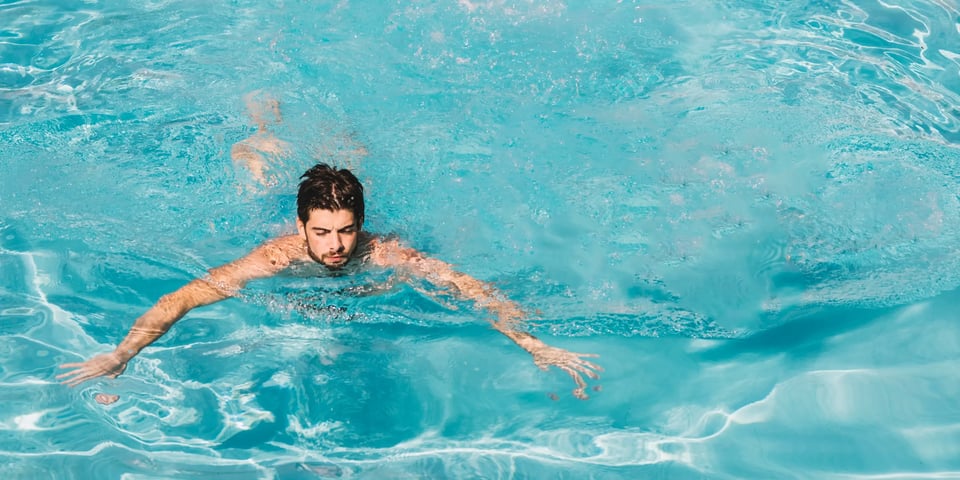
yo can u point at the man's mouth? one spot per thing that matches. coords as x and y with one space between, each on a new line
336 258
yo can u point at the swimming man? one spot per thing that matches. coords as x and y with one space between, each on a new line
330 214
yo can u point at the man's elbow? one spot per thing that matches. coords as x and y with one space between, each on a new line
172 304
196 293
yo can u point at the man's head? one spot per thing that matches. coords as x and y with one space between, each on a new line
330 213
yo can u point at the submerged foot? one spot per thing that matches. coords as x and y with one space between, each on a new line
263 109
257 152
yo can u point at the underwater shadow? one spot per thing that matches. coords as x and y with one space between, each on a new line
804 335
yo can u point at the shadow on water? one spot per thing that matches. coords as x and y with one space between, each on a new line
804 335
807 332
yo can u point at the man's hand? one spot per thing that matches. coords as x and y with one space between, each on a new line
508 314
546 356
107 364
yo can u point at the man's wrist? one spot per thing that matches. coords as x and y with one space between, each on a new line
125 353
525 340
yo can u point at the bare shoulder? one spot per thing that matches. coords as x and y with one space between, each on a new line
279 252
389 252
267 259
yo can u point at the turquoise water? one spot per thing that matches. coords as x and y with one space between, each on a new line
749 209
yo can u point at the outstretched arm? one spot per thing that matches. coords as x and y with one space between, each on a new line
508 314
220 283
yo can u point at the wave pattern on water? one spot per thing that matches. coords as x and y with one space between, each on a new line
748 209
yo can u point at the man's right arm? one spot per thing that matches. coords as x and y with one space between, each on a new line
222 282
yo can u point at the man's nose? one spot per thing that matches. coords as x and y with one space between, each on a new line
336 245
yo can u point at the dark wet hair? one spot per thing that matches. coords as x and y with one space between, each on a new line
326 188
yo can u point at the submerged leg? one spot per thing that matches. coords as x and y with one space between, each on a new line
262 153
256 152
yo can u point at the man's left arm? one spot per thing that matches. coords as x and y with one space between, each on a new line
508 314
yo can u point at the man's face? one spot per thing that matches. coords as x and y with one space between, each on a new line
331 236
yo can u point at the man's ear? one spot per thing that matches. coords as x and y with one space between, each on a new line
301 227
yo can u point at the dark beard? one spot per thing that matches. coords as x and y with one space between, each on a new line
319 260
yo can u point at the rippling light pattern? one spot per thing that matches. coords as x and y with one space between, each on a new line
749 209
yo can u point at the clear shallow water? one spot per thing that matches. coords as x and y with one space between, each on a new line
749 210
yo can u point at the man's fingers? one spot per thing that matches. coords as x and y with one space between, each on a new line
73 382
581 390
588 372
585 367
574 365
580 393
576 376
76 377
592 365
588 369
589 364
72 373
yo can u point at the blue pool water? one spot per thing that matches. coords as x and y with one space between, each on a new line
749 209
